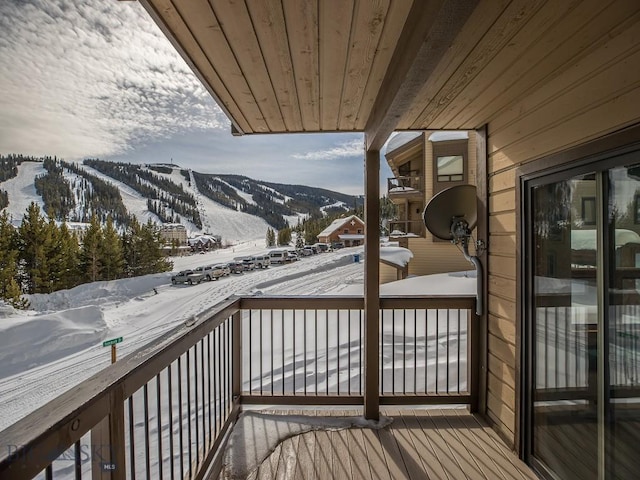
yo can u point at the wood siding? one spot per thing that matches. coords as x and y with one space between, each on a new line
388 273
587 86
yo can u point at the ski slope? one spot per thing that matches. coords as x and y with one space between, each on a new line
22 191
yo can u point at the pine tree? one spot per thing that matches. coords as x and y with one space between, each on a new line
111 253
90 258
284 236
69 261
9 288
31 245
271 237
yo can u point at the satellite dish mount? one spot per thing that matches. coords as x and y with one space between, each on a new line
452 215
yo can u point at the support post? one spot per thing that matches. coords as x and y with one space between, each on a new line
107 442
372 286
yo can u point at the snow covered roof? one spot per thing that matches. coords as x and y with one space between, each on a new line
448 135
336 224
399 139
396 256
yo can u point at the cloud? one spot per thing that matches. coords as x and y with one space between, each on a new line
351 148
92 78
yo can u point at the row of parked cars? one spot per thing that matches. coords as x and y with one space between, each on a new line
246 264
214 272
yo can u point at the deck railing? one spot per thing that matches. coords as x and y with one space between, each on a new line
165 410
404 184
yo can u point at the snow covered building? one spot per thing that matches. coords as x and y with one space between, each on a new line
549 93
173 233
423 164
349 231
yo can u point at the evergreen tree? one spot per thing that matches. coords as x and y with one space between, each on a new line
271 237
54 253
299 237
90 256
112 255
69 260
143 250
31 245
9 288
284 236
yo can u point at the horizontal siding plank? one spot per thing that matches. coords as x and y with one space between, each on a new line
501 370
503 329
501 412
502 350
503 245
502 181
502 223
503 287
502 391
502 266
502 307
504 201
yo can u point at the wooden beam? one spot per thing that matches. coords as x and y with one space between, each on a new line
372 285
429 31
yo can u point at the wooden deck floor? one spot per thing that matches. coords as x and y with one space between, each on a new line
448 444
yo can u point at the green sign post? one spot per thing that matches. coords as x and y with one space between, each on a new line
112 343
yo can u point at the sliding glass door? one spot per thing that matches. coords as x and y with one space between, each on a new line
582 320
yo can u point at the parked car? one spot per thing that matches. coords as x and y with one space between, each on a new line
337 245
262 261
278 256
225 269
236 267
210 272
293 255
306 252
313 248
322 247
187 276
247 263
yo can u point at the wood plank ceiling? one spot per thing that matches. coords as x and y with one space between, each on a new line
278 66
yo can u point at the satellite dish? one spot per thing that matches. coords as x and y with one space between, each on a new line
451 215
447 207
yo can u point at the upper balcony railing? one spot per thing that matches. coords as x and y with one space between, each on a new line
405 186
402 228
164 410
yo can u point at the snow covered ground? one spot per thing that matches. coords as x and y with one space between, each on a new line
58 343
22 191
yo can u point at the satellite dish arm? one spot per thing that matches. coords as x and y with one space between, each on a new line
479 275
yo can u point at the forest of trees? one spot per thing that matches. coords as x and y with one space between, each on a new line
41 256
168 194
100 198
55 190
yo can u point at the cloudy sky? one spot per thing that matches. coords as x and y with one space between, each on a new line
96 78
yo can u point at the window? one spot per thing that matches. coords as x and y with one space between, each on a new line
449 164
589 210
346 230
450 168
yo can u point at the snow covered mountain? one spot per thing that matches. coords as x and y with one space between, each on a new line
235 207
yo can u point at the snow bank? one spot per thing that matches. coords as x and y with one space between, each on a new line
98 293
256 435
29 342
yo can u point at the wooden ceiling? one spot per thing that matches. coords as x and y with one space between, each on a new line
278 66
